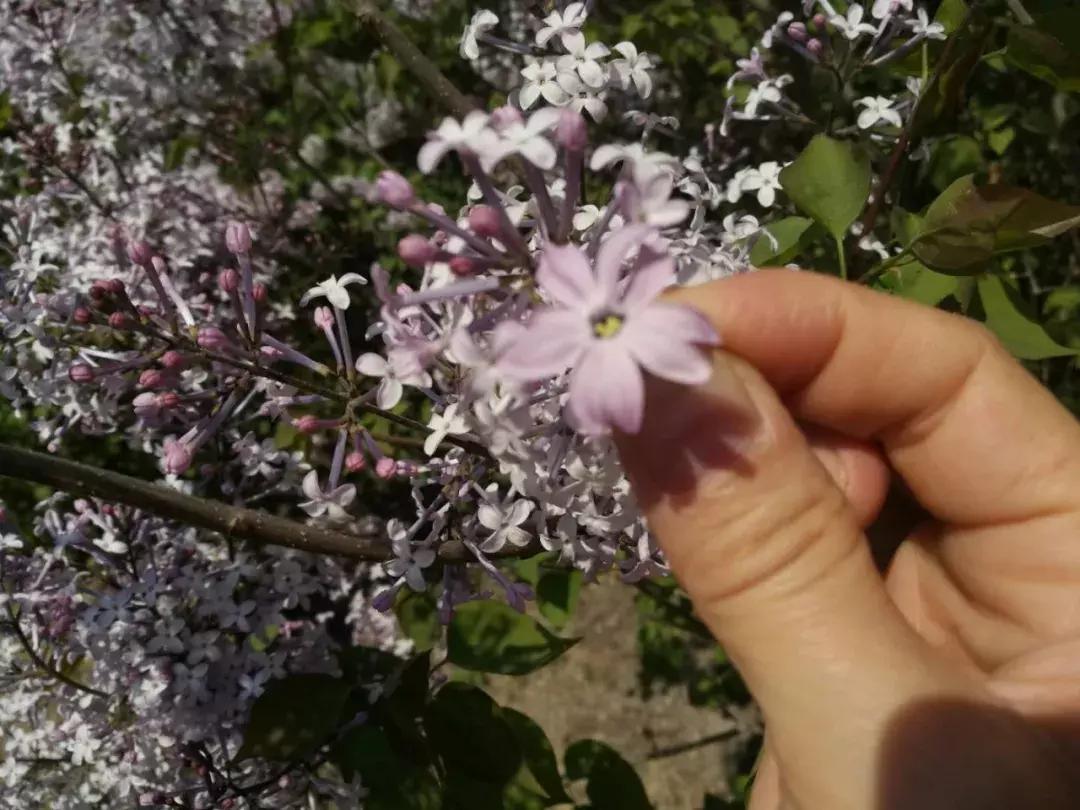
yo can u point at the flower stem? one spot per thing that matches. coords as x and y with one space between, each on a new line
842 257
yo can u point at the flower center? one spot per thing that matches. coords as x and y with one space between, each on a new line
607 324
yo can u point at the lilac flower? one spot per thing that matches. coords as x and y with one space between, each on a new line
852 26
503 518
334 290
608 331
886 8
633 68
333 503
543 78
583 60
408 562
441 425
878 109
471 134
921 25
396 373
481 21
565 25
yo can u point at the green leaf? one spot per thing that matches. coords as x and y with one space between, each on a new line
537 752
393 783
917 282
492 637
293 717
419 618
788 233
950 14
1010 318
557 595
953 158
830 182
468 731
1050 51
968 224
1000 139
612 781
943 97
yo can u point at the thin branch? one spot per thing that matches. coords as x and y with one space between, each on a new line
44 665
682 748
413 59
231 521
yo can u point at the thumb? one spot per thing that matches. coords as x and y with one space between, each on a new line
775 561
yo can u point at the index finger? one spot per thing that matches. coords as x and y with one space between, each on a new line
976 437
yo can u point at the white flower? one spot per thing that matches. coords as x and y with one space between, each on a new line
528 139
471 133
583 61
777 28
333 504
567 26
852 25
10 542
544 78
736 230
503 518
395 375
633 67
886 8
765 180
878 109
443 424
644 163
649 200
407 562
922 25
768 90
481 22
334 290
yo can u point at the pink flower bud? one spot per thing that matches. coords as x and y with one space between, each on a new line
98 291
385 468
416 251
228 280
151 378
324 318
237 237
167 400
506 116
139 252
210 337
178 456
119 320
815 46
572 132
462 266
307 423
394 190
797 31
819 21
258 293
81 373
81 315
146 405
484 221
115 286
355 462
173 359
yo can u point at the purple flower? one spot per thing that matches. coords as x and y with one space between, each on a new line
607 330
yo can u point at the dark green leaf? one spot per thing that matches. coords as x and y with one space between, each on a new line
943 97
293 717
917 282
468 731
950 14
537 752
788 233
1010 318
953 158
612 781
1051 51
419 618
557 595
393 783
830 182
492 637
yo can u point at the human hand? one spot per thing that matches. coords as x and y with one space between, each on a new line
952 682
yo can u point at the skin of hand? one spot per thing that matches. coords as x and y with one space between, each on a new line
953 681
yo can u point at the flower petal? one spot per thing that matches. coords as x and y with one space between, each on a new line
550 343
565 275
607 390
613 252
371 364
389 393
647 282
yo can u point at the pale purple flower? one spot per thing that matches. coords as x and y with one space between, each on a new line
566 25
852 26
886 8
584 60
608 330
334 289
543 78
503 518
633 68
482 21
395 373
333 504
921 25
765 180
529 138
408 562
878 109
441 425
471 134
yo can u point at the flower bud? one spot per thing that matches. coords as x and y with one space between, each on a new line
572 133
139 252
462 266
98 291
119 320
178 457
146 405
115 286
210 337
173 359
815 47
484 221
385 467
797 31
308 423
819 21
355 461
394 190
416 251
151 378
506 116
81 316
237 237
324 318
167 400
81 373
258 293
228 280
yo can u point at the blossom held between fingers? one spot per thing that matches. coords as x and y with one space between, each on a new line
607 329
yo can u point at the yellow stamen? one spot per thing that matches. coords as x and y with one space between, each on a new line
608 326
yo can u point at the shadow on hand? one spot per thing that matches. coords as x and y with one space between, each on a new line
957 755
